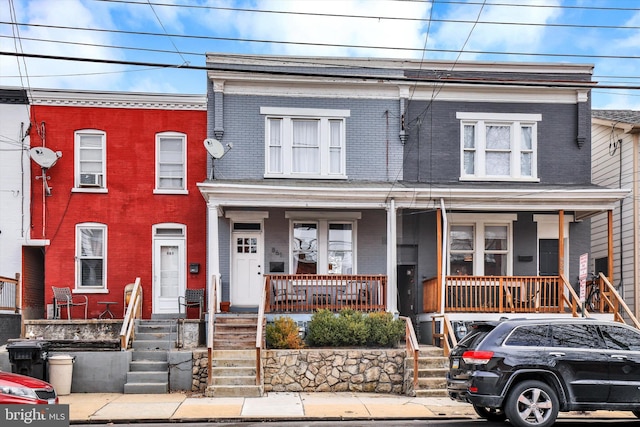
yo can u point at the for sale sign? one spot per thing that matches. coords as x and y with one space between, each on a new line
584 264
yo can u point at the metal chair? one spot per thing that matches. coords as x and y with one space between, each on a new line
62 297
191 298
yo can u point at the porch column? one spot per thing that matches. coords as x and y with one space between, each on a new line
560 242
392 264
213 255
610 245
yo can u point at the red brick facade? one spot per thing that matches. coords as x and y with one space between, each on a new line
129 208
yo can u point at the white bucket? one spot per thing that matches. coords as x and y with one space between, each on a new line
61 373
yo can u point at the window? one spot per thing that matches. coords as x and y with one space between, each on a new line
480 247
575 336
529 336
170 163
498 147
305 143
90 166
620 338
324 245
91 249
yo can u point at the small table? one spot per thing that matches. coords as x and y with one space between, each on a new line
107 309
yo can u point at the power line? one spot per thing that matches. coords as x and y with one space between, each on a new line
298 43
491 82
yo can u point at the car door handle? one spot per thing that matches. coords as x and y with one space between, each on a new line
556 354
619 356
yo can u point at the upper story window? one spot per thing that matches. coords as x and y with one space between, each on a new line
171 163
305 142
91 249
498 147
90 160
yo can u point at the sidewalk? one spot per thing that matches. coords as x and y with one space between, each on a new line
115 407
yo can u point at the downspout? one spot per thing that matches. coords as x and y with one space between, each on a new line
636 224
445 233
392 263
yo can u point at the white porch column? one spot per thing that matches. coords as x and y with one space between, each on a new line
213 255
392 263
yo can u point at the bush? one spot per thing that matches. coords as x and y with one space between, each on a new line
384 330
353 328
283 333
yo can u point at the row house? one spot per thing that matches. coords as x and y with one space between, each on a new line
616 164
417 187
122 200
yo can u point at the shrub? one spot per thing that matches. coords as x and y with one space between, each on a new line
383 330
353 328
283 333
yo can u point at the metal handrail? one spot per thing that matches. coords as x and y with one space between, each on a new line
211 309
413 347
133 312
259 329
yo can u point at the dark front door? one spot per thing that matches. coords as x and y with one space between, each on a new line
406 290
548 257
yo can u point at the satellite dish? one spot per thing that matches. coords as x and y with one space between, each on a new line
44 156
214 147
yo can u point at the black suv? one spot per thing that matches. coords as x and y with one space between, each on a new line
529 370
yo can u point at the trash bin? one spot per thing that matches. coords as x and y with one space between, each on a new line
61 373
29 357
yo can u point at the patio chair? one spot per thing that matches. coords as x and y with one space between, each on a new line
285 292
191 298
353 293
62 297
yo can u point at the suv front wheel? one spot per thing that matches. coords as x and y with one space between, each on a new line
532 404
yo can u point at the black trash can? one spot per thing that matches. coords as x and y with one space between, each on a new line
29 357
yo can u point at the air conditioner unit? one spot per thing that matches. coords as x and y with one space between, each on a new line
90 180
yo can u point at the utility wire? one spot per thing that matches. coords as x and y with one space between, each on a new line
234 39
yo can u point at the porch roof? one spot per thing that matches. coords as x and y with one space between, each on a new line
583 200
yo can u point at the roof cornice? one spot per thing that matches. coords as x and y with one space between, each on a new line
104 99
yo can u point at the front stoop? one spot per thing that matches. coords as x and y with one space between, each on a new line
432 369
235 331
149 367
233 374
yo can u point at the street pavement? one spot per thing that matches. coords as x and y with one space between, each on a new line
117 408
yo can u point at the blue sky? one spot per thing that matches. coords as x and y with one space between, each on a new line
605 33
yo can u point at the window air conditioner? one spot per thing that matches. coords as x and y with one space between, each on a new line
90 180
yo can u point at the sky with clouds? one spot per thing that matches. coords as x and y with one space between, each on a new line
605 33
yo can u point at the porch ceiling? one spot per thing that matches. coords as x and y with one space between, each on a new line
585 200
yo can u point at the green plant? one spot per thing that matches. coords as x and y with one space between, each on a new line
384 330
322 328
351 328
283 333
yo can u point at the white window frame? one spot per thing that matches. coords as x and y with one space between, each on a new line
323 220
487 220
287 116
79 258
516 122
100 185
167 190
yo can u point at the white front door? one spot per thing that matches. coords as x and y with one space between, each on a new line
169 281
247 268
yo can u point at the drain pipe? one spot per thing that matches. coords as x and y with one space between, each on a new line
445 238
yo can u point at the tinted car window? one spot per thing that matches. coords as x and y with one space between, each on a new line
619 338
575 336
533 336
475 336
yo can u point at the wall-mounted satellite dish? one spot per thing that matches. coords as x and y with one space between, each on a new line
44 156
214 147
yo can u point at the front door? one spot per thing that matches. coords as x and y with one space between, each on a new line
548 257
247 267
169 281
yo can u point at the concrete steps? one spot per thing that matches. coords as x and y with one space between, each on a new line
149 367
233 374
432 370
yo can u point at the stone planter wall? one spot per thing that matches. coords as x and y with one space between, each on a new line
200 373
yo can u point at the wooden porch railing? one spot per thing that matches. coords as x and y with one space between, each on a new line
134 311
444 336
498 294
9 293
260 339
413 347
612 302
304 293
